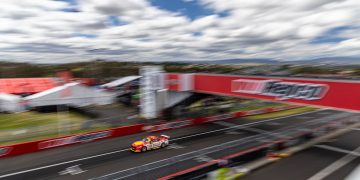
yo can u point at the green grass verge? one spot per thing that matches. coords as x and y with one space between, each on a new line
36 126
281 113
33 119
53 135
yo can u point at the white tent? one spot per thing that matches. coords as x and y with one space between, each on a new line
73 94
121 81
10 103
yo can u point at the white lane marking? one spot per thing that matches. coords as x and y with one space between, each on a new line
256 130
117 151
260 131
203 158
335 165
354 175
336 149
62 163
253 123
73 170
175 146
355 129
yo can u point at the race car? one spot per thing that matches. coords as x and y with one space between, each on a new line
150 143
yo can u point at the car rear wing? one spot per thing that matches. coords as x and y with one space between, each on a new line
165 136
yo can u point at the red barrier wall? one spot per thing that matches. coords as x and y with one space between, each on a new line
34 146
336 94
340 94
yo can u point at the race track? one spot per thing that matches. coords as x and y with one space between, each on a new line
103 158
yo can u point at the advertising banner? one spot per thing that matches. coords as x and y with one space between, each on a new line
340 94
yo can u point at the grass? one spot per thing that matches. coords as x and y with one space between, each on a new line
52 135
30 126
281 113
33 119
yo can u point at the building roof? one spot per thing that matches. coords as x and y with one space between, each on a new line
26 85
9 97
71 93
121 81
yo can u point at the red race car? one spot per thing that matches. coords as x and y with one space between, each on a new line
150 143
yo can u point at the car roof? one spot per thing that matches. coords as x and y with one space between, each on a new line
152 137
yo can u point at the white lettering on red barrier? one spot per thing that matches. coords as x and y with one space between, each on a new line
219 117
248 86
170 125
55 143
4 151
74 139
282 90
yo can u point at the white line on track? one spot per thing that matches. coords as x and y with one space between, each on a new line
259 131
117 151
355 129
248 124
62 163
336 149
336 165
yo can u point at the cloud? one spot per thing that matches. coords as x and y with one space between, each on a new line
128 30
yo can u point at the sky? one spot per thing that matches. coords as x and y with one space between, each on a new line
62 31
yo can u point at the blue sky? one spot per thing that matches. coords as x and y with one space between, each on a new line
333 35
175 30
189 8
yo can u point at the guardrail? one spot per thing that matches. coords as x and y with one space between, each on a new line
289 136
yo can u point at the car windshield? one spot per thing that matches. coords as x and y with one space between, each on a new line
146 140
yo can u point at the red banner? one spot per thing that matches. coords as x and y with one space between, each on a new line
341 94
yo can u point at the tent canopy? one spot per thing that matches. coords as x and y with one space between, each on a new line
120 81
26 85
71 94
10 103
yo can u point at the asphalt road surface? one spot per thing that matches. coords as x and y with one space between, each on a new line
333 160
103 158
